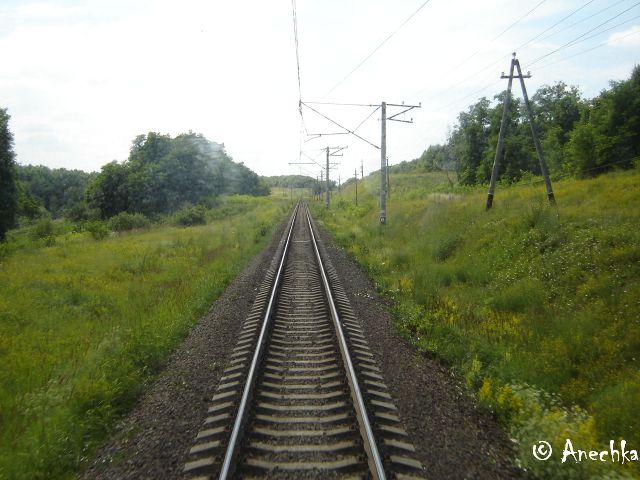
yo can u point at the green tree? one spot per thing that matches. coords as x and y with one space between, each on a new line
164 174
469 140
8 182
616 118
56 189
557 108
109 192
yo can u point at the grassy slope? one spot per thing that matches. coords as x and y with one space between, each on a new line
84 324
538 307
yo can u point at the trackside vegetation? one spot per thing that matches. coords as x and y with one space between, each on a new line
87 319
536 306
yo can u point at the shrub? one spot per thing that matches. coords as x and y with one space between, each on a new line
128 221
97 229
43 228
80 212
193 215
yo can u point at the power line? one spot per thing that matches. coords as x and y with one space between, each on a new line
498 36
554 25
608 42
476 92
378 47
575 40
513 24
584 19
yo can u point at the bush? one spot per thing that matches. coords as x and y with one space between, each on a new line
193 215
127 221
43 228
97 229
80 212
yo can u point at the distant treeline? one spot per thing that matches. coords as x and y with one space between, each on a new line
288 181
54 190
163 174
579 137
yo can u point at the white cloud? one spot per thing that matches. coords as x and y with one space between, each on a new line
626 38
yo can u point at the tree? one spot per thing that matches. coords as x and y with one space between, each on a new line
557 108
469 140
8 181
164 174
616 119
109 192
56 189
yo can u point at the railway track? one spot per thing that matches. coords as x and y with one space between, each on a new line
301 395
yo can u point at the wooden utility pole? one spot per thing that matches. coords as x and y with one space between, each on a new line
515 64
500 146
361 170
534 134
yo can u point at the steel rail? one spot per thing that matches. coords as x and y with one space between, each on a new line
375 459
230 453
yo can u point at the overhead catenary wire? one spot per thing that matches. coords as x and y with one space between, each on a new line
548 31
295 36
303 127
378 47
352 132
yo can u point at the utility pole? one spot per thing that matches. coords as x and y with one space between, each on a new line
331 154
388 180
383 146
534 134
355 175
361 170
384 161
515 64
383 165
328 186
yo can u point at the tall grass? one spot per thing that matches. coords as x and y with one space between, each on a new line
85 324
536 306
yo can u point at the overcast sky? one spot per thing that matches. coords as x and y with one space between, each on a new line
81 79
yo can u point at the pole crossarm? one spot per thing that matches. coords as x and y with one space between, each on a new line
352 132
408 108
337 149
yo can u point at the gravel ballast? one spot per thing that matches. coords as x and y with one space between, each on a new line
453 439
